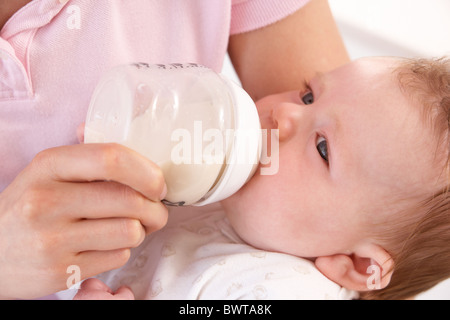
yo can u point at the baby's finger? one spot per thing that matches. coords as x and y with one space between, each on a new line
94 284
93 289
124 293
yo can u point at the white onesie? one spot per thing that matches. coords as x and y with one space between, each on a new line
199 256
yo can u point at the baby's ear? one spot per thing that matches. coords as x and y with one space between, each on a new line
370 267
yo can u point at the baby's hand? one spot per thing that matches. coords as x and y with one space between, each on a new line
94 289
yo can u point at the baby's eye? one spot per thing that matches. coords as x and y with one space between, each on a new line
322 148
308 98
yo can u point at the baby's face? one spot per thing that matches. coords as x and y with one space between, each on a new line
347 148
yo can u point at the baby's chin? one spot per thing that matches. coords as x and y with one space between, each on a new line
231 202
241 213
244 197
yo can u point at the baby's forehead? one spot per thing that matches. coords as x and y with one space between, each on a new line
369 75
401 147
380 63
398 150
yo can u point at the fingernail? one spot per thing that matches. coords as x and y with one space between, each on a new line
164 193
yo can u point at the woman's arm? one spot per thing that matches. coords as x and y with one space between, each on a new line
281 56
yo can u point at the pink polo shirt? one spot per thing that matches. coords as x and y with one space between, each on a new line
53 52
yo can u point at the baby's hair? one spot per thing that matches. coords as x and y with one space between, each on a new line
420 240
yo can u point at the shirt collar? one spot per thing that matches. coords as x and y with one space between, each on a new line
33 15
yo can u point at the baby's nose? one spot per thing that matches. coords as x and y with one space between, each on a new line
287 117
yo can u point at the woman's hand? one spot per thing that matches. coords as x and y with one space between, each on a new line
81 205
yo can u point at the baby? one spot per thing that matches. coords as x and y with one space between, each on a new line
361 195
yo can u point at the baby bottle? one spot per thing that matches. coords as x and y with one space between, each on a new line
201 128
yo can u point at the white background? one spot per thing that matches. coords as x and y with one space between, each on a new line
410 28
